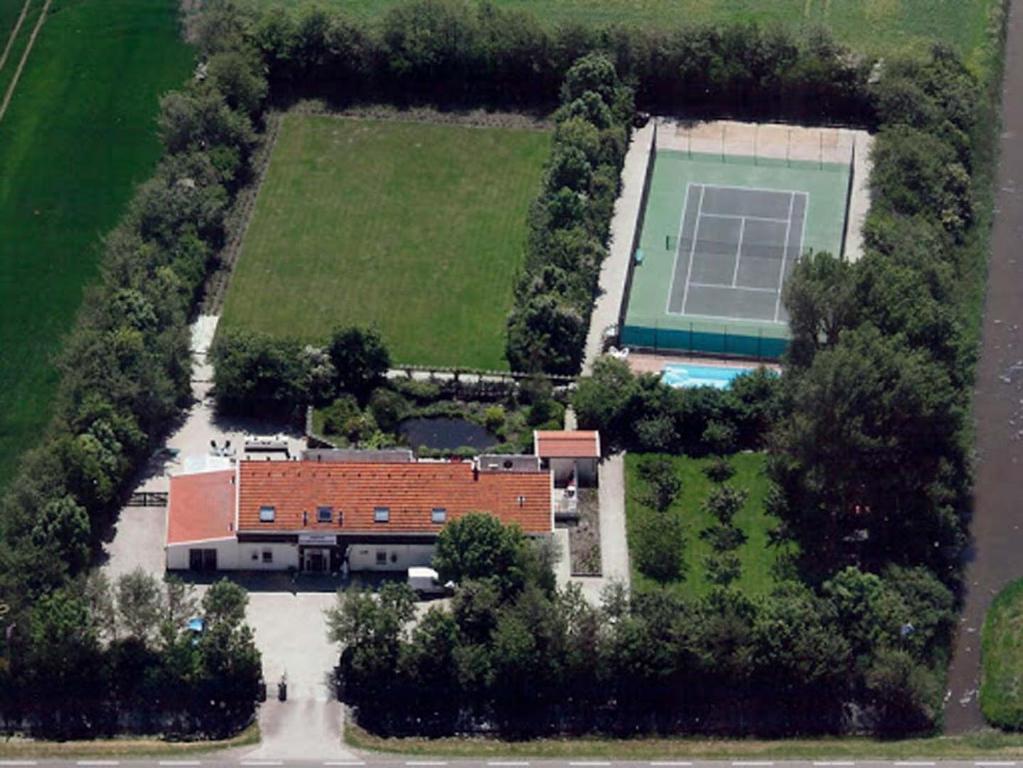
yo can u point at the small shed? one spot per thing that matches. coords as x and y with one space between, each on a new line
570 456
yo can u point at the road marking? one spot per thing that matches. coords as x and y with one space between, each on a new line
506 763
909 763
261 762
181 763
669 764
751 762
996 764
590 763
98 762
344 762
18 762
426 762
836 763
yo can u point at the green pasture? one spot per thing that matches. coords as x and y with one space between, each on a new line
882 27
79 133
759 558
414 228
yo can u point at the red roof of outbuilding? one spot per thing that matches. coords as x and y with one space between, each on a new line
567 445
200 507
409 491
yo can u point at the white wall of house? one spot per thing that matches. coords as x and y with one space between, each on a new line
227 554
396 557
282 555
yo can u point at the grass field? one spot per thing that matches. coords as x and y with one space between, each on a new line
78 134
876 26
757 557
417 229
1001 688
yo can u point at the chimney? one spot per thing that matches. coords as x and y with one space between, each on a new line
475 471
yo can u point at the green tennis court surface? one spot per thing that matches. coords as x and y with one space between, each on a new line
720 236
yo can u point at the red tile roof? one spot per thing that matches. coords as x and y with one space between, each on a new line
200 507
410 491
567 445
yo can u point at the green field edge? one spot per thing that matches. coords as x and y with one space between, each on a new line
982 744
127 747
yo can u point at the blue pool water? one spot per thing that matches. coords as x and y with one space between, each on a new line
692 375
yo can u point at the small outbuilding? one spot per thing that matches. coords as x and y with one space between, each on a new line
571 457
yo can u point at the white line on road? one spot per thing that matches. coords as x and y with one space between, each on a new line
98 762
585 763
751 762
912 763
426 762
262 762
669 764
181 763
18 762
836 763
344 762
996 764
506 763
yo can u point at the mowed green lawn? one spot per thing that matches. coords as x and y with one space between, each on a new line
876 26
79 133
758 557
1001 688
414 228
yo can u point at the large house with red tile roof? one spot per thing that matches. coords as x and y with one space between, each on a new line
334 510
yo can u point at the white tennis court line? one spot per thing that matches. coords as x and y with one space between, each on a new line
741 216
733 287
738 250
692 249
784 255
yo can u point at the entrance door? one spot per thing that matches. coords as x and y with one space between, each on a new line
202 559
316 560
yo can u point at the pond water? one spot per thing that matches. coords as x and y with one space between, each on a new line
445 434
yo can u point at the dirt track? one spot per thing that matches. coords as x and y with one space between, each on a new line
997 554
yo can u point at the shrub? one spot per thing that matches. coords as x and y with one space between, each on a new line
494 418
719 470
724 502
388 407
723 538
663 483
658 546
723 568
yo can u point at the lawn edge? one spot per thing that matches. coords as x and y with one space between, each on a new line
18 747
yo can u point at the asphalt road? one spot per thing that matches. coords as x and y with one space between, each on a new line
997 527
383 761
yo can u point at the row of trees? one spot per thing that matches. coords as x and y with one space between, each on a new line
570 222
125 369
461 53
871 455
98 659
515 654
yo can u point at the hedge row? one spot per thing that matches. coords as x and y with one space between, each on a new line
569 224
125 368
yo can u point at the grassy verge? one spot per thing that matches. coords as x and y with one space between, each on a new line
130 747
984 744
1001 686
78 134
757 556
417 229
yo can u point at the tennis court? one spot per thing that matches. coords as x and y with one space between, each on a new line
719 237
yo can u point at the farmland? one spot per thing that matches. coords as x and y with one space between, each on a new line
875 26
417 229
757 556
78 134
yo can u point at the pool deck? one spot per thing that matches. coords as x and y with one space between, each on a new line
642 362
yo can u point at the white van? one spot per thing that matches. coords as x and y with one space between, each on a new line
426 583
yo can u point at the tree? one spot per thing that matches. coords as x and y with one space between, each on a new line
64 524
906 694
255 373
360 359
820 298
659 539
662 480
724 502
479 546
139 605
225 603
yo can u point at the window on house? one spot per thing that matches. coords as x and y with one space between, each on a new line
381 557
267 514
382 515
394 557
268 556
255 555
439 515
324 514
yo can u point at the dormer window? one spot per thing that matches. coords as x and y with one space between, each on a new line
382 515
439 515
267 514
324 514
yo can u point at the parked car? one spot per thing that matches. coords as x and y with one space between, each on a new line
426 583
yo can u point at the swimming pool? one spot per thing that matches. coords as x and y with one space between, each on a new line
694 375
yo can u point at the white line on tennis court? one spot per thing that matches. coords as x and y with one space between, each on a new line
742 216
692 252
784 255
678 249
738 250
733 288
